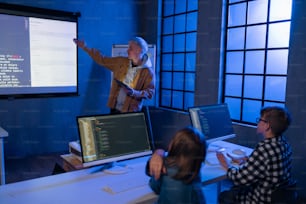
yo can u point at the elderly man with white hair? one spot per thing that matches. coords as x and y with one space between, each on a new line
133 76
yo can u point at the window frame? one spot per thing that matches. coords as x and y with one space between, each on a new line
171 93
265 75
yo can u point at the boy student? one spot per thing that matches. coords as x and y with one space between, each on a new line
269 165
133 76
180 181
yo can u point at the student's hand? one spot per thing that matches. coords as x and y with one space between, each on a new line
156 164
223 160
79 43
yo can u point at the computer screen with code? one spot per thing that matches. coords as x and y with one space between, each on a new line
111 138
213 121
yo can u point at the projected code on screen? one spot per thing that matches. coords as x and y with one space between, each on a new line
204 123
9 69
36 53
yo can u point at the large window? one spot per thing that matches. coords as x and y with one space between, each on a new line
256 56
178 53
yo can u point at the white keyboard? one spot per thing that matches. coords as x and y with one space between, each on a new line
127 184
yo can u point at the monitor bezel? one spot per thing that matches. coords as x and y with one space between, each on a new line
115 158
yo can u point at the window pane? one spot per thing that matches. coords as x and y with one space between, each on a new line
180 6
191 39
179 22
178 80
254 62
256 36
177 99
234 62
251 110
253 87
274 104
277 61
166 80
168 7
178 62
280 10
167 44
257 11
233 1
192 21
236 14
279 34
234 105
233 85
165 98
179 43
190 61
192 5
168 25
235 38
189 100
167 62
275 88
189 81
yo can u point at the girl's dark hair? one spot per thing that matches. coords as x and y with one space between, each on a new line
187 151
279 118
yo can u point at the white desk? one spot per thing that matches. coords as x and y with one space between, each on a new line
3 134
78 187
84 186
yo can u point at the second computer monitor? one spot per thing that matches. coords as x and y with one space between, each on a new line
110 138
213 121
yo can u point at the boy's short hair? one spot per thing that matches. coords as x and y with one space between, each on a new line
279 118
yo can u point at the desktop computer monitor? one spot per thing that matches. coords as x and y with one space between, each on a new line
164 124
213 121
109 138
